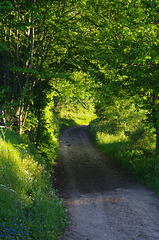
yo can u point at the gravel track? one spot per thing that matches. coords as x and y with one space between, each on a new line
103 203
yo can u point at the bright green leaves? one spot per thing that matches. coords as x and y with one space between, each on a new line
126 52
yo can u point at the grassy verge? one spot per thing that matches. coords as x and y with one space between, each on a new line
131 144
29 207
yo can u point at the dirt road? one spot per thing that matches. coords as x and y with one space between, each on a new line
103 203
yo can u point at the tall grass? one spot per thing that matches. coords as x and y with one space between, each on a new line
29 207
128 141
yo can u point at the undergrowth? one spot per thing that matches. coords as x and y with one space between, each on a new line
129 142
29 207
48 142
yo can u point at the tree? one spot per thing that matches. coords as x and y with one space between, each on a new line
127 35
36 39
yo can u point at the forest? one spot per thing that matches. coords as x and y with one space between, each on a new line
65 63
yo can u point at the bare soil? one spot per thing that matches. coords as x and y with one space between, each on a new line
103 203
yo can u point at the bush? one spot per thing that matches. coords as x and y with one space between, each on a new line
29 207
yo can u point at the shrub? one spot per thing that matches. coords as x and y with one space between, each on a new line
29 207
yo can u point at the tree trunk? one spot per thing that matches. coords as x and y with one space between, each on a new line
38 128
157 141
27 82
21 121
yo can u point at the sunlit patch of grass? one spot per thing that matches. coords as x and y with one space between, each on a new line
19 171
78 114
29 207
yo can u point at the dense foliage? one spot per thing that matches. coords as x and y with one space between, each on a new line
114 42
127 55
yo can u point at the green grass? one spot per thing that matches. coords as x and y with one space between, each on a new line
131 144
29 207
